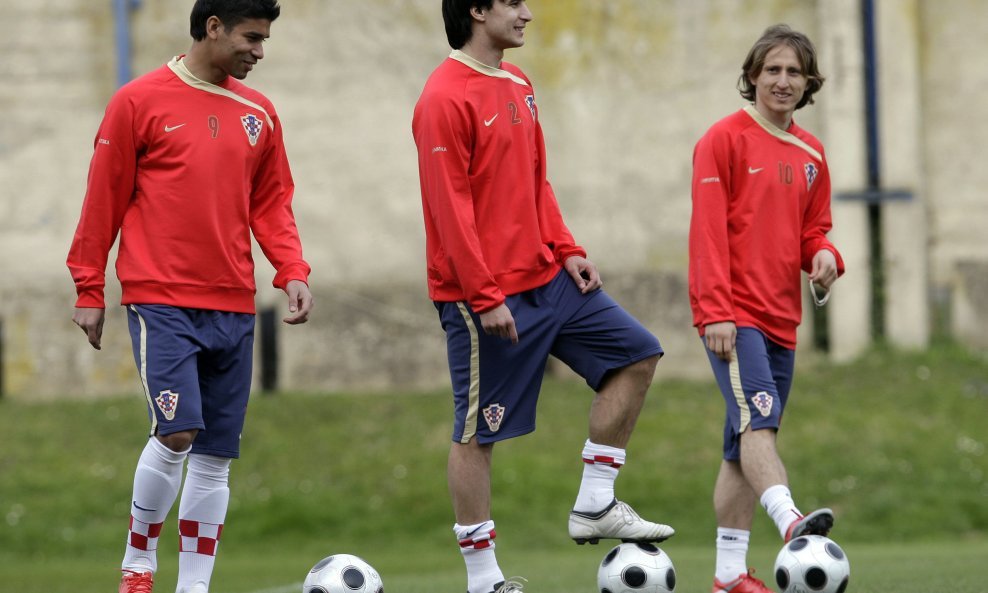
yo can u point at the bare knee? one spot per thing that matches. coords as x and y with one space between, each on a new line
178 441
640 373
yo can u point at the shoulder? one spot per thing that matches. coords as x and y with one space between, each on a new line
253 95
515 70
806 137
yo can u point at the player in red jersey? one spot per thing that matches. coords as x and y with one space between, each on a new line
512 287
188 164
761 213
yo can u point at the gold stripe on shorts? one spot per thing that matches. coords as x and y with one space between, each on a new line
143 356
473 395
735 371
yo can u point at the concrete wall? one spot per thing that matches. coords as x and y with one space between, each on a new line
625 88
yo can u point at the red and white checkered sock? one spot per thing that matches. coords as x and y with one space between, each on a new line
201 514
477 546
600 468
156 483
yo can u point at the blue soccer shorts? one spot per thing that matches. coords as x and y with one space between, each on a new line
496 383
755 385
195 367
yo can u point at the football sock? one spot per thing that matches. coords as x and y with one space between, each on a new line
732 552
201 514
600 469
778 502
477 547
156 483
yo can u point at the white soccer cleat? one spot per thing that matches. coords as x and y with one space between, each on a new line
617 521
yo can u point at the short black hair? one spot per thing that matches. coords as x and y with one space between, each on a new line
459 23
230 12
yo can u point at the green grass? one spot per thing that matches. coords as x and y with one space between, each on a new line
895 443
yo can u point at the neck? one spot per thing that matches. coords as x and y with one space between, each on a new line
197 61
485 54
781 120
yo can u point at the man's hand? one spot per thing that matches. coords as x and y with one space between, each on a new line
90 319
584 273
299 302
824 270
500 322
720 338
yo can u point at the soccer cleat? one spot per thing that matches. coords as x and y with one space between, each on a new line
617 521
746 583
509 586
818 522
196 588
136 582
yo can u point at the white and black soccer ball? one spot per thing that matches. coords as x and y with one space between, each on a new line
636 568
342 573
812 564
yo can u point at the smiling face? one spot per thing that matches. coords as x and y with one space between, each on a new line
236 51
780 85
503 25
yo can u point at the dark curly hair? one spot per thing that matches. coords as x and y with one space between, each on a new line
230 12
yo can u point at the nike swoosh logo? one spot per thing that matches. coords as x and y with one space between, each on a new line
753 171
173 128
488 122
139 507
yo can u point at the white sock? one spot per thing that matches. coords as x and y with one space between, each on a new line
777 501
477 547
600 470
156 483
201 514
732 552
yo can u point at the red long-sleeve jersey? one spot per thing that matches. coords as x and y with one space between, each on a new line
185 171
493 226
761 211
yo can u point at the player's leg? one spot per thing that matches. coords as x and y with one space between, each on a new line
166 363
468 475
225 368
735 493
616 355
495 391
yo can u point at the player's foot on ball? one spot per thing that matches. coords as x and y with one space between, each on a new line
136 582
818 522
509 586
746 583
617 521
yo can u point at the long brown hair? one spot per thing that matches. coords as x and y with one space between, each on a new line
781 35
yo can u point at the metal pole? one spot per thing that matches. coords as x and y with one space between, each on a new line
876 250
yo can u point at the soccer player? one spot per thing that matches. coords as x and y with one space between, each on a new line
188 163
761 213
511 287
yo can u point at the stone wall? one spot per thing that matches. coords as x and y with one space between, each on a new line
625 88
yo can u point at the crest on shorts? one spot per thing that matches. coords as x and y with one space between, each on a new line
530 101
253 126
167 402
494 414
811 172
763 401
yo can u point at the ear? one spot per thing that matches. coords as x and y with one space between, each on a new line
477 14
213 26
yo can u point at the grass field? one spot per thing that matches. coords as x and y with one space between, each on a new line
895 443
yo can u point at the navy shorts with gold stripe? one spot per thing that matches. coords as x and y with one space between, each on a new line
496 383
195 367
755 385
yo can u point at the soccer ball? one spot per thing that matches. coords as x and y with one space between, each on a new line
342 573
636 568
812 564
